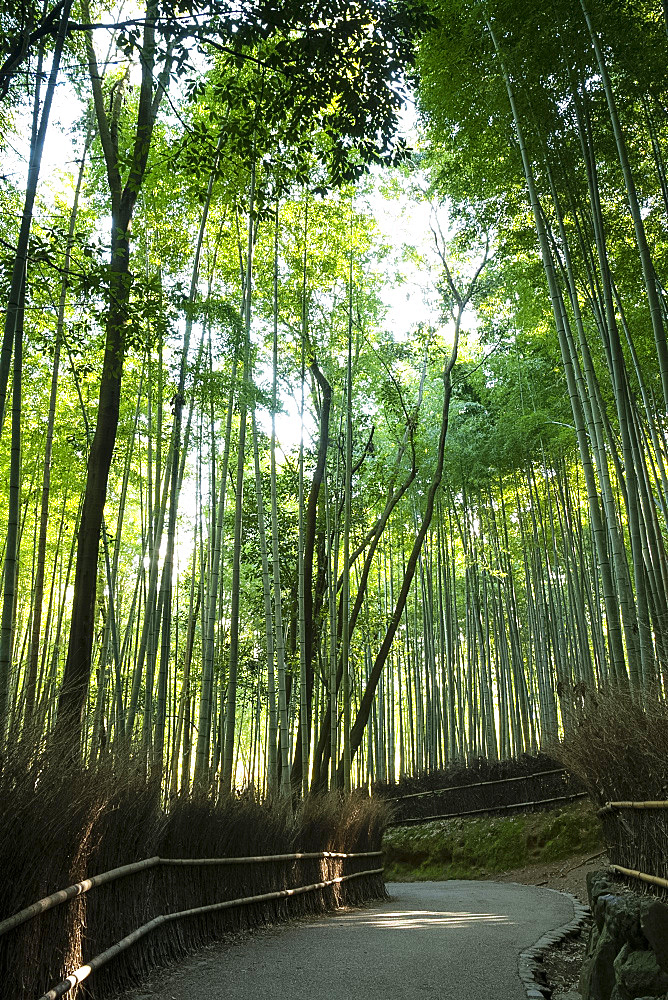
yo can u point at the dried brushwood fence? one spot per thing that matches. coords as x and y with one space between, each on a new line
111 824
532 790
636 833
215 881
619 749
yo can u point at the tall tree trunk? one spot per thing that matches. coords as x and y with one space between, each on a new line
48 449
283 763
312 600
16 293
461 299
74 690
227 772
647 265
11 563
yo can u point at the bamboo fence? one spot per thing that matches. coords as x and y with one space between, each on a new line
536 804
82 973
328 889
72 891
637 836
537 790
480 784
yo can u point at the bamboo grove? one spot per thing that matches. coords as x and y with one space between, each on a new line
259 528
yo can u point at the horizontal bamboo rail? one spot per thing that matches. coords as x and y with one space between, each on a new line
98 961
643 876
488 809
312 856
477 784
79 888
650 804
72 891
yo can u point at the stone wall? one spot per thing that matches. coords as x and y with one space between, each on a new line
627 954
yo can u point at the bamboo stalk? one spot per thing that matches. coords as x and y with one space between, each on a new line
79 888
479 784
489 809
649 804
98 961
314 855
652 879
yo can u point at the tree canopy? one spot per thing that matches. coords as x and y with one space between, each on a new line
260 527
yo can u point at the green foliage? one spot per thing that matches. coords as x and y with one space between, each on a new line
274 127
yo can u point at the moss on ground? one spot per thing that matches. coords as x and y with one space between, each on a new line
471 848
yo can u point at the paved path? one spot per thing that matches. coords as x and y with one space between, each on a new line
431 941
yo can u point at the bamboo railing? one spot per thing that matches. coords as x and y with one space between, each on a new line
84 971
490 809
79 888
86 885
479 784
540 790
643 876
646 830
649 804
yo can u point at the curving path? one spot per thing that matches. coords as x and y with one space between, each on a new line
452 940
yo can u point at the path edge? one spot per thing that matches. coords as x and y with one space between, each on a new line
530 960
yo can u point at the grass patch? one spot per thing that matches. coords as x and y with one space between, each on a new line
471 848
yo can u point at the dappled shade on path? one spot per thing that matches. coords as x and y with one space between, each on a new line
454 940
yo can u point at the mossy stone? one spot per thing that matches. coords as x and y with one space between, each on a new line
638 974
597 978
654 923
622 916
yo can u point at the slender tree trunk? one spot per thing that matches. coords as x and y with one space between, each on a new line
276 570
74 690
647 265
268 617
357 730
11 563
227 773
16 292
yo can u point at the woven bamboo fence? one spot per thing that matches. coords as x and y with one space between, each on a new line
636 833
539 790
172 905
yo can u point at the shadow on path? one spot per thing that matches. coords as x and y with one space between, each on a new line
454 940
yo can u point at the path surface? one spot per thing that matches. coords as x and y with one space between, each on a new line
431 941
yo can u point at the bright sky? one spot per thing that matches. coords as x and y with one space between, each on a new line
401 222
406 223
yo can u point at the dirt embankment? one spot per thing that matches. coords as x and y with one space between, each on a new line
566 875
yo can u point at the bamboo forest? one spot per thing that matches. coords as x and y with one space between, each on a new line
333 382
